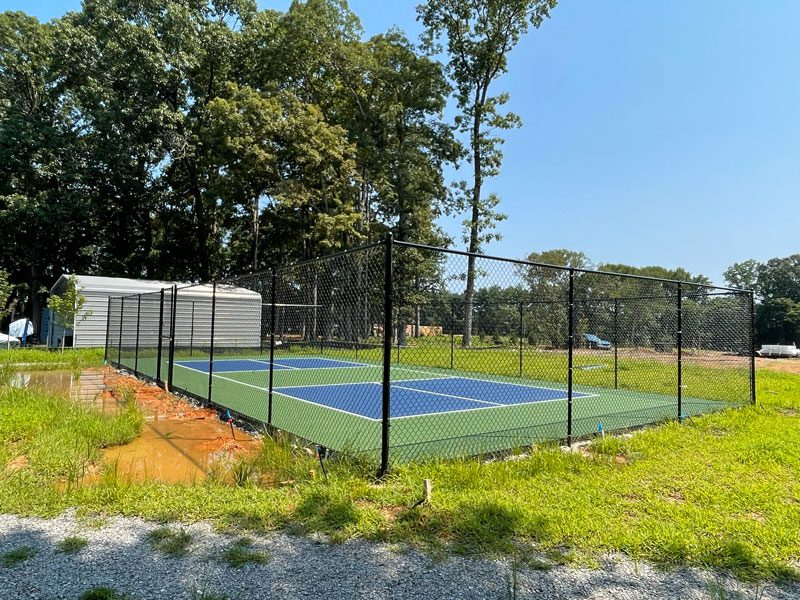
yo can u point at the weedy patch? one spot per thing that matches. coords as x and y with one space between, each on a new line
72 544
240 553
104 593
18 555
169 541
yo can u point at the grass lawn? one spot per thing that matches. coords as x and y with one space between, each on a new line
719 491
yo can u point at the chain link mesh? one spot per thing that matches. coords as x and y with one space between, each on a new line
483 355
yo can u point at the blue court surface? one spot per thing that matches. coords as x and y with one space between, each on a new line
232 365
416 397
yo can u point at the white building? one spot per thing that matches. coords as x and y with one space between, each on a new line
237 315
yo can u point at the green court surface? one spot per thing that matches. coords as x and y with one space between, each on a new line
639 399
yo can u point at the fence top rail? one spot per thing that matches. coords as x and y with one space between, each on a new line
528 263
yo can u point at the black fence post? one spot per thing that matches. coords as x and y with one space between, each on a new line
752 348
520 339
173 315
108 329
121 317
452 333
273 287
616 343
160 334
387 354
138 322
571 344
211 344
680 352
191 333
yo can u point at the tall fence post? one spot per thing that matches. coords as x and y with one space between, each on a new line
520 339
273 287
211 345
452 333
121 317
680 352
752 347
191 333
388 293
108 329
138 323
571 345
173 315
160 336
616 343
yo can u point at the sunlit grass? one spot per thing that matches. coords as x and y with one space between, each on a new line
715 491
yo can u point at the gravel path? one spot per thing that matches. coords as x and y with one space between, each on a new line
119 556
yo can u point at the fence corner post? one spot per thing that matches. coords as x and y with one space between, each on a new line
680 352
273 287
388 293
211 341
570 347
752 347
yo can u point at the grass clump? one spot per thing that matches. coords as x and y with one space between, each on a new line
18 555
58 437
42 359
169 541
103 593
72 544
240 553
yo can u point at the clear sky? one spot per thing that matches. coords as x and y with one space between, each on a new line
654 132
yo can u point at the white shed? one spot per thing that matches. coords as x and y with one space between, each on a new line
91 332
238 313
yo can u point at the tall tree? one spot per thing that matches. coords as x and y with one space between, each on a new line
479 36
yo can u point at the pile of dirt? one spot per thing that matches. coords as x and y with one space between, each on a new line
153 400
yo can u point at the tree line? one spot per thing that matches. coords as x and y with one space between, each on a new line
195 139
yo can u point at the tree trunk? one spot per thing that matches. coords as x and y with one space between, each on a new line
255 234
469 292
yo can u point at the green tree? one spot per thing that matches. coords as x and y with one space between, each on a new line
6 289
780 278
68 307
479 36
742 275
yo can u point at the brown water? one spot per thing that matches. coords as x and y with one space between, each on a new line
175 451
170 448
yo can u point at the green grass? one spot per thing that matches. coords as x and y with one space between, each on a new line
716 491
72 544
169 541
18 555
241 553
52 359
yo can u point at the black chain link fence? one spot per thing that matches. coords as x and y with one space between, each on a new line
401 351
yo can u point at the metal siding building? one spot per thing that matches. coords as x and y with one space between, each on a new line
237 320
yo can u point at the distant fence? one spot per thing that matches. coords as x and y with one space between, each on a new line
400 351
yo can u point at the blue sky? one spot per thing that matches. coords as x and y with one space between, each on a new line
654 132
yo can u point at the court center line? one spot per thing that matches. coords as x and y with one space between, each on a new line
447 395
311 385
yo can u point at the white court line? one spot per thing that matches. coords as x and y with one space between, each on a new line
288 387
329 407
447 395
277 364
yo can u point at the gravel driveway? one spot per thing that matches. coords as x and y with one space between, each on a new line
119 555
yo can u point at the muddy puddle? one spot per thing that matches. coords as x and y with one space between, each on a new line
86 386
178 451
179 443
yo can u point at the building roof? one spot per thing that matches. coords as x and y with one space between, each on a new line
113 286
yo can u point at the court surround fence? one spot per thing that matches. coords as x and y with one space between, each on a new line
400 351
